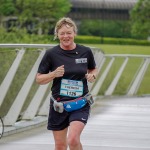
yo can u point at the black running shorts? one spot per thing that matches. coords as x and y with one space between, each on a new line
59 121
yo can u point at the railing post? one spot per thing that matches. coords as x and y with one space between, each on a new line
99 60
102 78
35 103
116 79
134 87
16 107
44 109
10 75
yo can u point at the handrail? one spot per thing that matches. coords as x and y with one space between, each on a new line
127 55
27 45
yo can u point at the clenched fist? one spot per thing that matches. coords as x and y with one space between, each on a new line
59 72
90 77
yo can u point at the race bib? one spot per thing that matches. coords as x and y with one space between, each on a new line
71 88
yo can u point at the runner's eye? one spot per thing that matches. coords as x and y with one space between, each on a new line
62 33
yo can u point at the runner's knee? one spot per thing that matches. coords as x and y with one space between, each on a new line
73 141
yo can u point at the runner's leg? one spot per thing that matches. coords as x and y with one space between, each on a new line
60 138
75 129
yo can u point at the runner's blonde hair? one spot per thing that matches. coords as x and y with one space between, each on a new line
64 21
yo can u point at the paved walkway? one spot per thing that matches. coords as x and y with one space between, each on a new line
115 124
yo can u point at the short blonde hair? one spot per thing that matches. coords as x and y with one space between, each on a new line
64 21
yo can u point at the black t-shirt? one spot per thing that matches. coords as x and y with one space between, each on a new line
76 62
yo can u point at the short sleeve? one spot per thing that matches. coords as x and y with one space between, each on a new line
91 62
45 64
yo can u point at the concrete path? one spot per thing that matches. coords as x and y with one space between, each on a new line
115 124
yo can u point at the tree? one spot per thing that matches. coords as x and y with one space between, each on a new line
140 19
7 8
35 14
41 14
106 28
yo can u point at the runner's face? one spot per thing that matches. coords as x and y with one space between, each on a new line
66 36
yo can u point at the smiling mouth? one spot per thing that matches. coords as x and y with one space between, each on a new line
66 41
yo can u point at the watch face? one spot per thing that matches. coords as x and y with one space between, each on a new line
1 128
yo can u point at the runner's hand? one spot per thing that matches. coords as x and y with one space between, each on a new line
59 72
90 77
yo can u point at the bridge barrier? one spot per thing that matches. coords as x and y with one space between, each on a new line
24 106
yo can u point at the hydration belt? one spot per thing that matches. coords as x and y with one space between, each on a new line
72 105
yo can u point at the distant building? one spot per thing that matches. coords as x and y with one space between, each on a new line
101 9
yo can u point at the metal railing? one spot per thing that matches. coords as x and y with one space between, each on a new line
39 101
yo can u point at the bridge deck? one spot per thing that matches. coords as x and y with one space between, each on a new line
115 124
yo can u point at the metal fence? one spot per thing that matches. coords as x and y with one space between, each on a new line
22 99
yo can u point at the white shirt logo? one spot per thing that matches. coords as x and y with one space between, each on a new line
81 60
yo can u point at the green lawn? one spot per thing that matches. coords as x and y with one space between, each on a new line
123 49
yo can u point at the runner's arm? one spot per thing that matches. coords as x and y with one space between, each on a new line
46 78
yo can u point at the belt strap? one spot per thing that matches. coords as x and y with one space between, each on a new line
53 98
88 97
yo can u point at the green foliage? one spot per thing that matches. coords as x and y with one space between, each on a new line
6 7
41 14
38 16
105 40
105 28
140 17
21 36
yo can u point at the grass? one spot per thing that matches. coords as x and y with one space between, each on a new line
122 49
